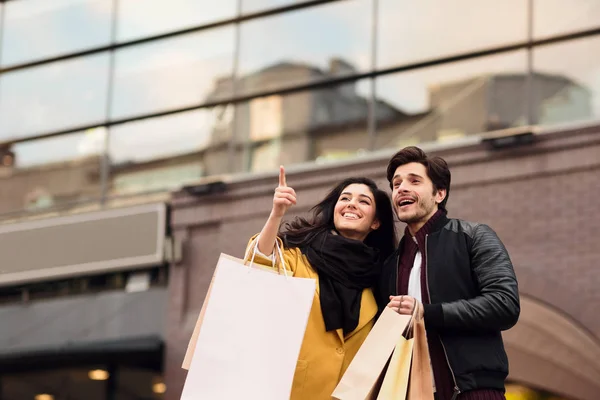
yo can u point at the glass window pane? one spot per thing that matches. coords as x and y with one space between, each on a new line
171 73
37 29
138 383
51 171
413 31
555 17
166 152
451 101
251 6
321 124
61 95
309 45
567 81
141 18
60 382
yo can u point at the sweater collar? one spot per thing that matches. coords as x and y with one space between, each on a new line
434 223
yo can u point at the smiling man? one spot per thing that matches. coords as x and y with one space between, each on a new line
462 274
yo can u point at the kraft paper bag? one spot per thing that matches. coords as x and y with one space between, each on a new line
361 379
421 375
395 381
249 333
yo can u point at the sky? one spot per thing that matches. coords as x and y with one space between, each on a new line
181 71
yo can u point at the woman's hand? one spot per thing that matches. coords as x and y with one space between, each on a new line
284 198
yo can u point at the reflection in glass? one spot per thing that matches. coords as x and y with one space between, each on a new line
555 17
166 152
37 29
251 6
452 101
70 147
65 382
141 18
413 31
141 383
323 124
171 73
62 383
301 46
56 96
567 81
51 171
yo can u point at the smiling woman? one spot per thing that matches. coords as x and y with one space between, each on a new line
350 233
354 214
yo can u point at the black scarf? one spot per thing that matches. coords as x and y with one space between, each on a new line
346 267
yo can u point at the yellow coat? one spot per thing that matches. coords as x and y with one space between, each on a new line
324 356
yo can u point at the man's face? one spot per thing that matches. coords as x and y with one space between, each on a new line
414 197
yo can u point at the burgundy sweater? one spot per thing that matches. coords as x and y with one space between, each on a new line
444 381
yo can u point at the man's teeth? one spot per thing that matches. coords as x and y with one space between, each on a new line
350 215
406 202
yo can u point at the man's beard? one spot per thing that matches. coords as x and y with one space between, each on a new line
417 217
421 214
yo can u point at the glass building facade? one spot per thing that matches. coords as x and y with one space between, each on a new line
108 98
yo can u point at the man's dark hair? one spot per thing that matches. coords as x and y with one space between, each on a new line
437 168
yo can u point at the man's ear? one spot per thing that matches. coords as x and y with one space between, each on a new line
440 195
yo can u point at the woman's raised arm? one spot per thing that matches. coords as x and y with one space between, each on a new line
284 198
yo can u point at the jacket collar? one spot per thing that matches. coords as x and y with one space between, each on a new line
440 222
437 225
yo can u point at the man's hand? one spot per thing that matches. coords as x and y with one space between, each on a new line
404 305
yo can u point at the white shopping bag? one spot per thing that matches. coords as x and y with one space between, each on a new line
250 334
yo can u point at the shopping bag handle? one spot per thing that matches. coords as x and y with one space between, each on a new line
408 332
278 252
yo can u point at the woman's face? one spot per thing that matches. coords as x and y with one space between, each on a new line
354 214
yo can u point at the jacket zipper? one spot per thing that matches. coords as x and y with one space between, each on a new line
456 388
396 275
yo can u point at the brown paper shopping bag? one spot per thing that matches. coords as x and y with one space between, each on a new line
409 369
395 381
421 377
364 373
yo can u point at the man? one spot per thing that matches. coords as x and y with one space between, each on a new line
460 271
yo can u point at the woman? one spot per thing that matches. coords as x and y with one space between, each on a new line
350 233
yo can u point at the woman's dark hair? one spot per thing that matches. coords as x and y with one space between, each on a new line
437 169
300 231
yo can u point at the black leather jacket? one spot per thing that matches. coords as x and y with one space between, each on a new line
474 296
